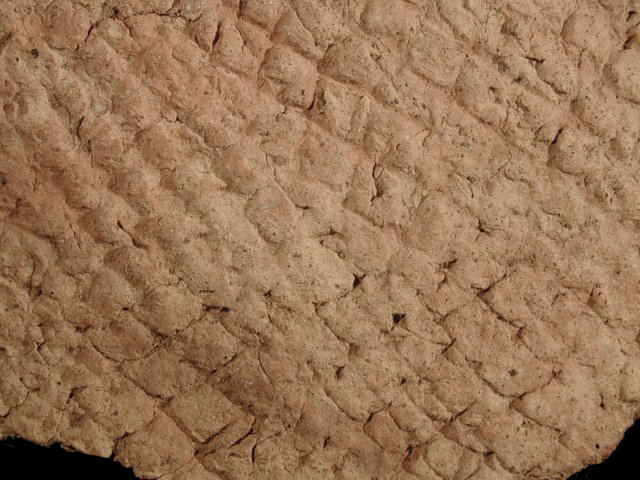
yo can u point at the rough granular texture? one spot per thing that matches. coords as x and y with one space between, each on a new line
316 239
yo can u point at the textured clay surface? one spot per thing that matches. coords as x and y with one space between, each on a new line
317 239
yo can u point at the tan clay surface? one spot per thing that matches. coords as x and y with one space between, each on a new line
317 239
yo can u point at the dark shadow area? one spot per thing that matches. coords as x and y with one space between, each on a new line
622 464
33 461
28 461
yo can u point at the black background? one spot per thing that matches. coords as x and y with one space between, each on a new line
623 462
32 461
